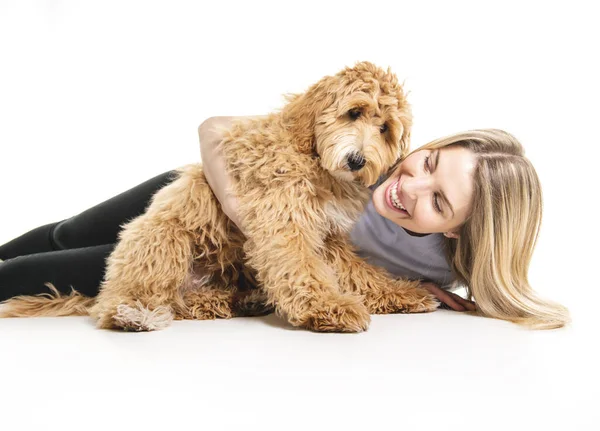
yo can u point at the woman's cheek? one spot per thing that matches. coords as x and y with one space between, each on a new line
423 219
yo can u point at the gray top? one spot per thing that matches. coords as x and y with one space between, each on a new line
384 243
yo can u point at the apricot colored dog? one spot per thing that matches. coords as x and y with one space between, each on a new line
301 179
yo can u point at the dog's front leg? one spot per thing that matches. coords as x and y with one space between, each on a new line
383 293
301 286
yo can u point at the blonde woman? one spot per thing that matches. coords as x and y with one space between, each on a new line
464 210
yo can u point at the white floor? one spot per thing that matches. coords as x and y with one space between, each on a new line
443 370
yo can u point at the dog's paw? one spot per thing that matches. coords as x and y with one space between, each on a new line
424 303
338 313
251 303
403 300
420 301
139 318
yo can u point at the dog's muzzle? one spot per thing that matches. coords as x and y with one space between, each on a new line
356 161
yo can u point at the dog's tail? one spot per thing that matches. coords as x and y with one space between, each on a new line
47 304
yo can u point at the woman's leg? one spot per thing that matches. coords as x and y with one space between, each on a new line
81 269
96 226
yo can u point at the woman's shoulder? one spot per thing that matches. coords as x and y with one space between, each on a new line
383 243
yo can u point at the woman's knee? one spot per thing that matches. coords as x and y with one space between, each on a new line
63 236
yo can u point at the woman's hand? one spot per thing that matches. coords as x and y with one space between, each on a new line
451 300
213 164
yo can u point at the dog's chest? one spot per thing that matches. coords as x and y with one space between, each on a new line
341 218
344 207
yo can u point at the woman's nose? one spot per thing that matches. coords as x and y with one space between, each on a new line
415 186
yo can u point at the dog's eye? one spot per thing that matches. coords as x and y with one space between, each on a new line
354 114
383 128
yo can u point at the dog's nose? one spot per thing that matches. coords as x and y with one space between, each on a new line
356 161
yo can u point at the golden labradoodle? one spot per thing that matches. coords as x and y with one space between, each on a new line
301 178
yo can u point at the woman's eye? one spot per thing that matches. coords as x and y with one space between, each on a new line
436 205
354 114
383 128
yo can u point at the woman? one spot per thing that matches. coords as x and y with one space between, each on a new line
472 208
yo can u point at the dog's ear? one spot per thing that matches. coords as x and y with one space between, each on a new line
406 120
301 112
389 84
404 144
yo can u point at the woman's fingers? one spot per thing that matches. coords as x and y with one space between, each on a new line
452 300
469 305
443 296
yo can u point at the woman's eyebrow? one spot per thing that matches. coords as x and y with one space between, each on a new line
442 194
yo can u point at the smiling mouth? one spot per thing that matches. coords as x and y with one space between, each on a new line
393 200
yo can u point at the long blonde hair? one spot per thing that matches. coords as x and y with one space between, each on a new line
492 254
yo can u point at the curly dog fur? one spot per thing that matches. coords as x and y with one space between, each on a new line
301 177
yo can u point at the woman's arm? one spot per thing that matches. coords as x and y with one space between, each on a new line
213 163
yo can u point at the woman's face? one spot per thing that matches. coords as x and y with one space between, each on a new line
434 187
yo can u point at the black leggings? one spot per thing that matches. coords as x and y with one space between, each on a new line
72 253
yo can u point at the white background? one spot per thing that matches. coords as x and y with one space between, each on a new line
96 97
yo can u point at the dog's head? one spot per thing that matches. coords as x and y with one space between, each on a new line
358 122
